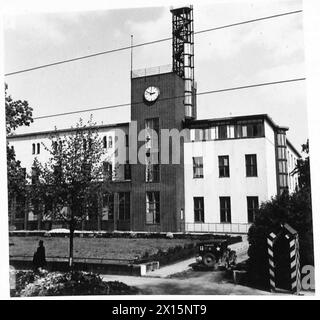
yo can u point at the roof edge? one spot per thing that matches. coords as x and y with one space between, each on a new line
47 132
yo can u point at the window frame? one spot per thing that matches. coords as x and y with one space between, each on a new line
251 167
198 211
154 211
252 211
197 167
125 206
225 210
224 168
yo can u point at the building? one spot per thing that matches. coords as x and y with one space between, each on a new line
179 174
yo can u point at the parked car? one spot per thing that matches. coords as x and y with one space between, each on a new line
215 253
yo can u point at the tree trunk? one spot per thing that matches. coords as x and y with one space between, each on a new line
26 214
71 234
71 246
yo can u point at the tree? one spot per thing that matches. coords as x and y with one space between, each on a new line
303 168
294 209
18 113
75 175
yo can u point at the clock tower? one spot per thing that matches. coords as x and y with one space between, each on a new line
157 196
161 100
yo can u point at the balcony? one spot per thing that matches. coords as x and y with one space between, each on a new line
151 71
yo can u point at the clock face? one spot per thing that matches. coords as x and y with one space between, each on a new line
151 94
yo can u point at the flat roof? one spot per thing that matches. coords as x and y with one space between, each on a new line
48 132
206 122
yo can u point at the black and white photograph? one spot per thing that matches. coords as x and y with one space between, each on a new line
158 150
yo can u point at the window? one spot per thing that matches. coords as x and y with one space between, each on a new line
38 148
107 169
109 142
33 148
197 167
108 207
152 152
251 165
199 134
249 129
124 206
225 210
198 205
223 166
127 140
222 132
153 207
104 142
253 206
152 172
127 171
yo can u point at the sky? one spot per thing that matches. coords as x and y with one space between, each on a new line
264 51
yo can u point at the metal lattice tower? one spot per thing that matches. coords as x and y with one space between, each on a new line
183 54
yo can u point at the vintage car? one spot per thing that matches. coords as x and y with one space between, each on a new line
215 253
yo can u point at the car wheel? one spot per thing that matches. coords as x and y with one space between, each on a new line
209 260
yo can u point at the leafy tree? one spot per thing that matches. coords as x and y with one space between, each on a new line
294 209
303 168
18 113
75 175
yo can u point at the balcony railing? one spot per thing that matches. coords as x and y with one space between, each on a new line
151 71
238 228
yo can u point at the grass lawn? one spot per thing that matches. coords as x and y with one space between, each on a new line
108 248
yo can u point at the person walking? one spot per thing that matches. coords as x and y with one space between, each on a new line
39 257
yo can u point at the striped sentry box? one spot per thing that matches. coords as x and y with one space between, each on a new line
270 241
295 265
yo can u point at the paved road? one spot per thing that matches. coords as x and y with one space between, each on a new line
192 283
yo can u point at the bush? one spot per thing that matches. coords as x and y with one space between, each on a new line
31 284
293 209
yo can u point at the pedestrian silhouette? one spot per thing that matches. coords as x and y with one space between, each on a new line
39 257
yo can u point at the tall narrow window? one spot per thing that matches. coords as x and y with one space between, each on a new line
104 142
253 206
127 140
124 206
152 169
153 207
38 148
127 171
251 165
225 210
109 142
222 132
33 148
108 206
197 167
224 166
198 205
107 169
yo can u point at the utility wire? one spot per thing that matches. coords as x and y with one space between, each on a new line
175 97
148 43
